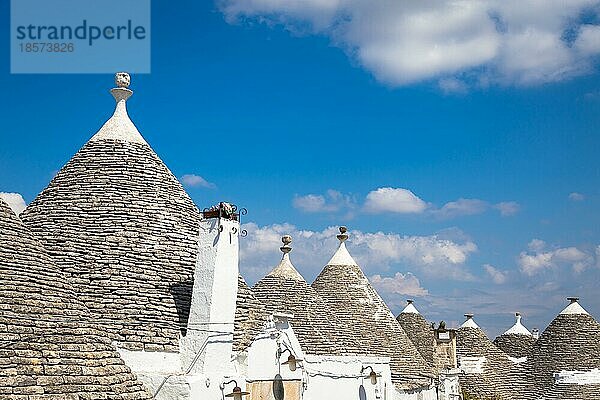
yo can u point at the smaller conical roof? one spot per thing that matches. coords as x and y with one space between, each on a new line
348 292
516 341
569 345
418 330
284 290
486 368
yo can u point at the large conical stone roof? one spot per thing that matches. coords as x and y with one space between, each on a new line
347 291
487 371
565 361
419 331
517 341
123 229
284 290
49 348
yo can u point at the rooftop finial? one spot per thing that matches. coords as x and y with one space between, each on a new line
286 248
343 236
409 301
573 299
122 79
469 316
122 91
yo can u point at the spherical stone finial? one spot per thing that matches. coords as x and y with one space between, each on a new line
343 236
122 79
286 240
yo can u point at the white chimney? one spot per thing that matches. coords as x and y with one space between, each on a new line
207 345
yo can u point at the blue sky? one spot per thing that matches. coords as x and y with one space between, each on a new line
485 138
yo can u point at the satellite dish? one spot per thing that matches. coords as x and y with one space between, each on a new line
278 389
362 393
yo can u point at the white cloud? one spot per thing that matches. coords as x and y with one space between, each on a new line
330 202
395 200
576 196
196 181
462 207
376 252
507 208
453 86
400 284
15 201
518 42
539 259
498 277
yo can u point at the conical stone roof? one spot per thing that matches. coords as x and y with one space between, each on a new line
250 316
123 229
49 348
565 361
516 341
284 290
346 289
487 371
419 331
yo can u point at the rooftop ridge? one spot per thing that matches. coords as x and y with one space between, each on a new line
119 126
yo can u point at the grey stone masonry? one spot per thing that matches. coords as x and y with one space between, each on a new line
514 345
420 333
122 228
318 329
250 317
349 294
50 346
494 380
571 343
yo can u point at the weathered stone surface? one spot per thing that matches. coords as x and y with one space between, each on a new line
250 316
374 329
50 346
123 230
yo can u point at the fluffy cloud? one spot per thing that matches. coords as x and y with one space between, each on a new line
400 284
538 258
507 208
192 180
456 41
498 277
463 207
395 200
576 196
376 252
330 202
14 200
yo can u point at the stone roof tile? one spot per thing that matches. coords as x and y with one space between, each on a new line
49 346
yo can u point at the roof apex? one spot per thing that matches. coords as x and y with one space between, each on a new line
470 322
286 269
119 126
410 308
518 328
573 308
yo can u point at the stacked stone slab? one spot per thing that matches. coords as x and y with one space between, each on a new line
124 231
571 343
49 347
419 331
488 373
318 329
250 317
347 291
517 341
